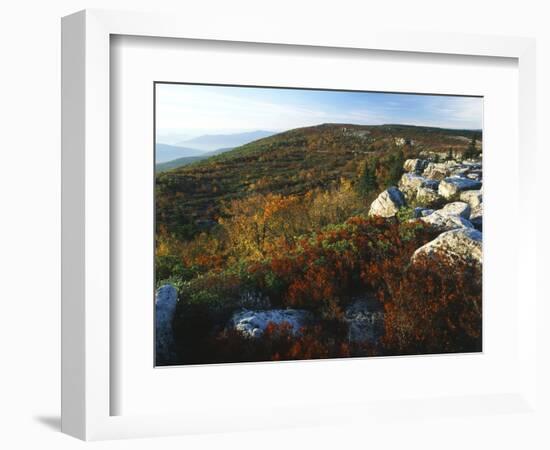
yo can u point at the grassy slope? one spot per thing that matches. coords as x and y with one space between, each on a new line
180 162
292 162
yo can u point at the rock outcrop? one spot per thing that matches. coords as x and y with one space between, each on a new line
473 198
415 165
437 171
410 183
461 244
447 195
422 212
166 299
451 187
387 203
428 197
445 222
476 216
253 323
461 209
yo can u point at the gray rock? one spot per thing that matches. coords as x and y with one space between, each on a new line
461 209
461 244
451 187
476 216
415 165
445 222
422 212
428 197
473 198
438 171
254 323
165 307
410 183
387 203
431 184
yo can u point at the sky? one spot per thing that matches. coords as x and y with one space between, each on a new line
191 110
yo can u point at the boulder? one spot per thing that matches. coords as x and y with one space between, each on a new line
253 323
428 197
166 299
438 171
476 216
461 209
422 212
431 184
365 319
451 187
445 222
415 165
473 198
410 183
461 244
387 203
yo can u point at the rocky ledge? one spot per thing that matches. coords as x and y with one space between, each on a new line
446 195
460 244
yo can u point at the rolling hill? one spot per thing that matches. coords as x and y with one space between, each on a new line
292 162
211 142
179 162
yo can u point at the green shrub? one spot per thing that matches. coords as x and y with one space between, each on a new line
405 213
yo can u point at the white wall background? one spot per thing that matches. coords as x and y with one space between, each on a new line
30 200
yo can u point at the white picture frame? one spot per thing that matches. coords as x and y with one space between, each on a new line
86 221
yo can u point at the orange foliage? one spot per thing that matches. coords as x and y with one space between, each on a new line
435 307
360 255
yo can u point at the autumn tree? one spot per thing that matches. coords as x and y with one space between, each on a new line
334 206
253 222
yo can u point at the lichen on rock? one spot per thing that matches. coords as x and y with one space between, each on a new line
464 244
388 203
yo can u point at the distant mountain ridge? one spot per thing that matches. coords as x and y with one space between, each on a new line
210 142
179 162
165 152
185 152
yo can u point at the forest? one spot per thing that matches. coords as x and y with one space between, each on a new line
284 227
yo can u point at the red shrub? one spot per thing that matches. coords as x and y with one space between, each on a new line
280 343
436 307
339 261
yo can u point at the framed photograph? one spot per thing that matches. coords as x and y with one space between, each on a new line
263 215
297 224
